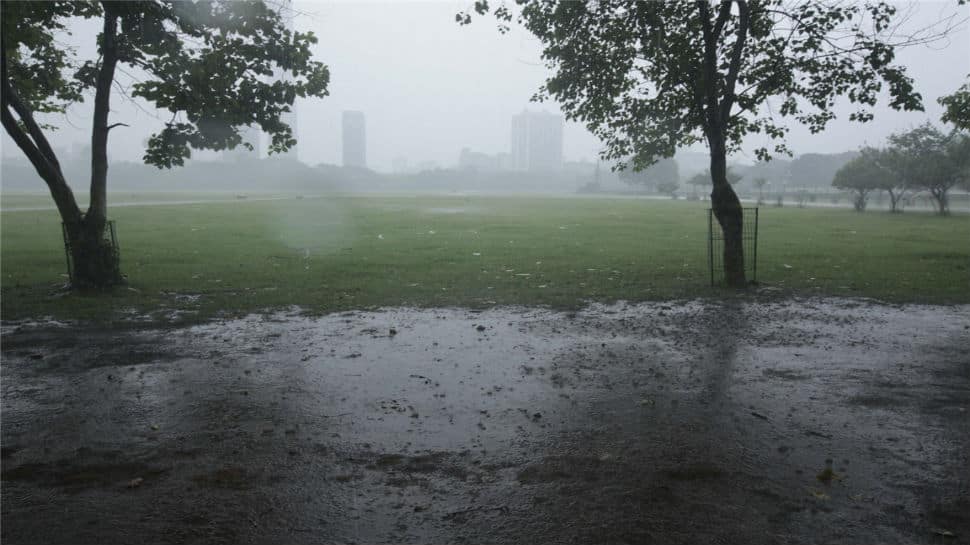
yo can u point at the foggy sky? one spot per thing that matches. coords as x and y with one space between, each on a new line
430 87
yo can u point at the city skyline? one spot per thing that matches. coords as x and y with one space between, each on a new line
354 141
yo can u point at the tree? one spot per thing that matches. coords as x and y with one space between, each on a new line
210 64
650 77
760 183
859 177
887 162
702 179
957 108
927 159
668 188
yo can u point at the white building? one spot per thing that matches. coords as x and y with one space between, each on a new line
537 141
354 139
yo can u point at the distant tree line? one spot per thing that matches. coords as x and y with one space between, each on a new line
922 160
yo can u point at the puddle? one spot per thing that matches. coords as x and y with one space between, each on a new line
678 422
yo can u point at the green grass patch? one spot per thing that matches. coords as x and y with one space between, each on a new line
342 252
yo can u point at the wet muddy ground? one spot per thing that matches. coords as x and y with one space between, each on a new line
814 421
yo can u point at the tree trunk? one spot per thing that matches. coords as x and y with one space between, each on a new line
942 202
715 98
727 210
97 210
95 260
894 199
95 263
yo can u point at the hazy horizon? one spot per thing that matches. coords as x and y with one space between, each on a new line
429 87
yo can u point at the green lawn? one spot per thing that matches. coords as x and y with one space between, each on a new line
341 252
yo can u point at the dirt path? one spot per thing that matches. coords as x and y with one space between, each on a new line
674 423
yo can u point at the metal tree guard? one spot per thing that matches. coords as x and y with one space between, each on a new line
108 234
715 245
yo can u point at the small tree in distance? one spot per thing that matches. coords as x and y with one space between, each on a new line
703 179
926 159
760 183
887 162
668 188
859 177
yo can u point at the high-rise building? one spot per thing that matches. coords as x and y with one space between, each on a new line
537 141
354 139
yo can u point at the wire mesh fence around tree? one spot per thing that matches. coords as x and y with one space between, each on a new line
715 246
108 233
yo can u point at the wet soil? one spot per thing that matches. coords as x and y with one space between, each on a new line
814 421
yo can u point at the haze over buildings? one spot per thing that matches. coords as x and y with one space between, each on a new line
354 139
536 141
430 87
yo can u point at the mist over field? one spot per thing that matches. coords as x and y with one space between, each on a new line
429 89
606 271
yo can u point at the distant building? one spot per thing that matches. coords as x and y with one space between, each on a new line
399 165
427 166
477 161
537 141
354 140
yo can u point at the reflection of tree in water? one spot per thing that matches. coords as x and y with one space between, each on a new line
720 327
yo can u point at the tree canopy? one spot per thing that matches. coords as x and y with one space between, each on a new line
213 65
957 107
860 176
921 159
648 78
927 159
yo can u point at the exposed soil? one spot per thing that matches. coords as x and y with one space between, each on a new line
814 421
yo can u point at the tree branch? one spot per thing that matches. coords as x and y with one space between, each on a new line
113 125
47 167
732 76
722 17
11 98
98 207
709 78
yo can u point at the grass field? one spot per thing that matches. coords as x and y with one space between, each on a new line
341 252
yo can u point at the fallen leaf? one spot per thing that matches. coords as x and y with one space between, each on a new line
819 495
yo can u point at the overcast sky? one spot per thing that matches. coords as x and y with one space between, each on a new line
430 87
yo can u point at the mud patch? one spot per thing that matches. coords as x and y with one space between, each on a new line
680 423
77 477
695 472
235 478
